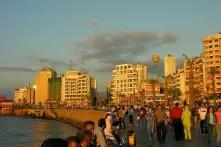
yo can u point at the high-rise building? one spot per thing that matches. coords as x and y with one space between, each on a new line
54 89
212 59
169 65
78 88
126 81
41 82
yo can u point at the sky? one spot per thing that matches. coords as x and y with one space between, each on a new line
98 34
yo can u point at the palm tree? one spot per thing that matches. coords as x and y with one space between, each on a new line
174 92
212 72
141 94
191 80
154 82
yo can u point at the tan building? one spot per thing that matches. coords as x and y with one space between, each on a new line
78 88
41 83
177 80
212 59
126 81
169 65
182 79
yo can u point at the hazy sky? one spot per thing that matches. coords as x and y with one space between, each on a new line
97 34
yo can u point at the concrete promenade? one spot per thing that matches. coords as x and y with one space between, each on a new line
198 140
78 116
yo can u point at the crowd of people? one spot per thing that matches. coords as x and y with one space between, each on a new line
155 122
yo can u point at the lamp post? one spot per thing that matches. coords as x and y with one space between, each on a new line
34 88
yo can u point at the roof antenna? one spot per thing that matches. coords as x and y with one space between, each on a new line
70 64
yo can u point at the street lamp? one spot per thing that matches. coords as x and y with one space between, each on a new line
34 88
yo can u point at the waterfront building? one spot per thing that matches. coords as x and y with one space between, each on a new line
22 95
126 81
212 59
169 65
54 89
78 88
41 82
6 106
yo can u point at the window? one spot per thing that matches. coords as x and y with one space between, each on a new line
216 45
216 40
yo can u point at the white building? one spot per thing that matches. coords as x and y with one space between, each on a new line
169 65
22 95
126 80
77 88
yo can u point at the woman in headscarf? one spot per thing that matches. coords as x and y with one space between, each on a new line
186 120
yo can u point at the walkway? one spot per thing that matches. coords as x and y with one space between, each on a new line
198 140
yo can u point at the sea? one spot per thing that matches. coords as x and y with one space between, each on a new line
31 132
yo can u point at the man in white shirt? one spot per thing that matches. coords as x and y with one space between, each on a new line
202 114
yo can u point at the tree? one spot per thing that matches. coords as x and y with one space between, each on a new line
154 82
141 93
191 80
212 73
174 92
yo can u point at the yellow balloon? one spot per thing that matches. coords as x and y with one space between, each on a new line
155 59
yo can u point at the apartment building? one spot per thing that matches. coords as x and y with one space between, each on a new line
126 81
78 88
212 59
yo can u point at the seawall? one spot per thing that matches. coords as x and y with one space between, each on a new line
75 117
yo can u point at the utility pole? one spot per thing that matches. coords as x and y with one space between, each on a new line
29 88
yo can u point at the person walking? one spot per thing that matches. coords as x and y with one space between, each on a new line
160 115
202 114
121 115
176 113
108 131
150 126
142 118
210 121
131 116
186 120
99 133
218 125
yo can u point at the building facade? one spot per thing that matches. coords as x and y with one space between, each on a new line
212 59
54 89
192 72
169 65
78 88
126 81
41 82
22 95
